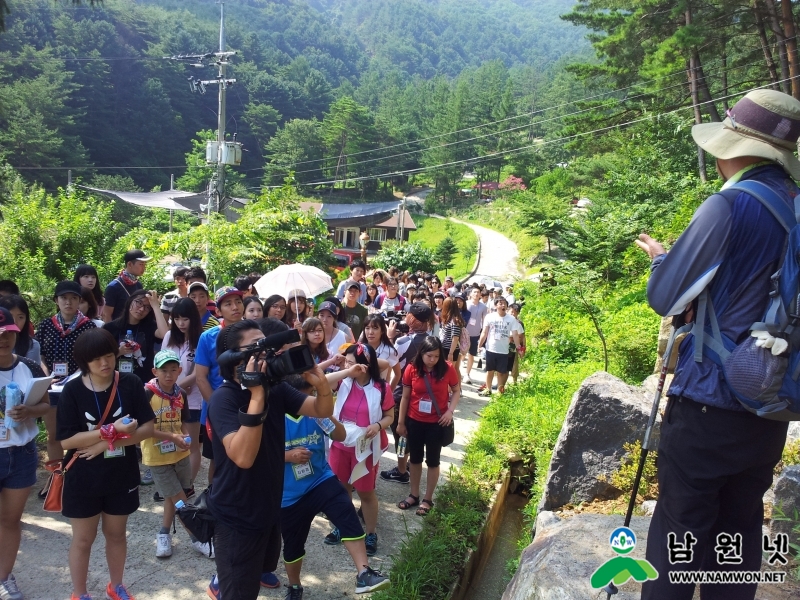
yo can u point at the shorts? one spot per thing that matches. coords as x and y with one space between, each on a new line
328 497
242 556
512 357
171 479
79 506
497 362
423 439
343 460
456 354
18 466
194 415
473 345
208 450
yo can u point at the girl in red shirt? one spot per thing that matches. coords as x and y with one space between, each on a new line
419 421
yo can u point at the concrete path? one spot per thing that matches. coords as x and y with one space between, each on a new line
499 255
42 572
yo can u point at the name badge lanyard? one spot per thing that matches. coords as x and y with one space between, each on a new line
165 446
63 346
117 452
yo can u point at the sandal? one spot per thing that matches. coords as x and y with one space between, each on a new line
422 510
405 504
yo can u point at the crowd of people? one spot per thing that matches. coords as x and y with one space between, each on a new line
141 379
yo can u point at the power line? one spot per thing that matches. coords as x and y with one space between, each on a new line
705 75
487 135
536 145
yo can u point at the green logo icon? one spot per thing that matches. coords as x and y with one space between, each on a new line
620 569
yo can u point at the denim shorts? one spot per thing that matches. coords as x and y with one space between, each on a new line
18 466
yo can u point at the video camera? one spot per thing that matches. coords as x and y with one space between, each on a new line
294 360
399 317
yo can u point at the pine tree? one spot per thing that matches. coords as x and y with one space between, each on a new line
446 253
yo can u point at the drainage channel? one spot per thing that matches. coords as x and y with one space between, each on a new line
491 584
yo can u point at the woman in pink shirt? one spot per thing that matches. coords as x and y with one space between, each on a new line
363 401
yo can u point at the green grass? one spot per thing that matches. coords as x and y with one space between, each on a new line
430 231
525 421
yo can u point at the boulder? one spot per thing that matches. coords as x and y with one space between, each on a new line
787 497
559 563
604 414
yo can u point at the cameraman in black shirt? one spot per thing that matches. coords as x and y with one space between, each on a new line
248 439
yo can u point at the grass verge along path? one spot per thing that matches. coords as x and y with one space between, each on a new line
430 231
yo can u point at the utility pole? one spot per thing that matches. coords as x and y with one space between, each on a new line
219 152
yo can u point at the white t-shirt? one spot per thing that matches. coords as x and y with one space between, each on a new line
387 353
23 371
337 340
193 394
499 333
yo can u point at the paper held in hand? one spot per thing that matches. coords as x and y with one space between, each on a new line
36 390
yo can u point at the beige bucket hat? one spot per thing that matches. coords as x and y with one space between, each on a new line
764 123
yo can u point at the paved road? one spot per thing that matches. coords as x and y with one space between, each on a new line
499 255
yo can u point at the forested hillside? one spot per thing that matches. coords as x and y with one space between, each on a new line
88 86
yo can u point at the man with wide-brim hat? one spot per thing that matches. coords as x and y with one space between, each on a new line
715 459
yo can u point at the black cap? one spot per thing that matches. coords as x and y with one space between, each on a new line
420 311
67 287
351 283
133 255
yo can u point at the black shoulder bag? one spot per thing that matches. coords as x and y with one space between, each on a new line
448 431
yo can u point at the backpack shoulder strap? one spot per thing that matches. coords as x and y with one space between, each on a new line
771 201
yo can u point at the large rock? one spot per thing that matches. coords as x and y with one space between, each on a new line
604 414
559 563
787 497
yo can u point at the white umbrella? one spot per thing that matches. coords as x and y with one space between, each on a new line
284 279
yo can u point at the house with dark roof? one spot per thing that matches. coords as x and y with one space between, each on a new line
346 223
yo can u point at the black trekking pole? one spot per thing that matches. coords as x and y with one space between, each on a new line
646 441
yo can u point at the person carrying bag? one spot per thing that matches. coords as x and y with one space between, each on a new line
431 392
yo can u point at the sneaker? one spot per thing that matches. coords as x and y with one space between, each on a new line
481 387
204 549
158 497
372 544
466 380
485 393
213 588
163 546
395 475
147 478
82 597
334 537
269 580
118 593
9 589
370 581
295 592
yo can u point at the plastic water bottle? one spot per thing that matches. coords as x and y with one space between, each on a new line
180 504
127 421
13 398
326 425
187 439
129 339
401 448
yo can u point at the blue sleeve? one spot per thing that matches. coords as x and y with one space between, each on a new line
113 292
206 353
678 277
340 291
